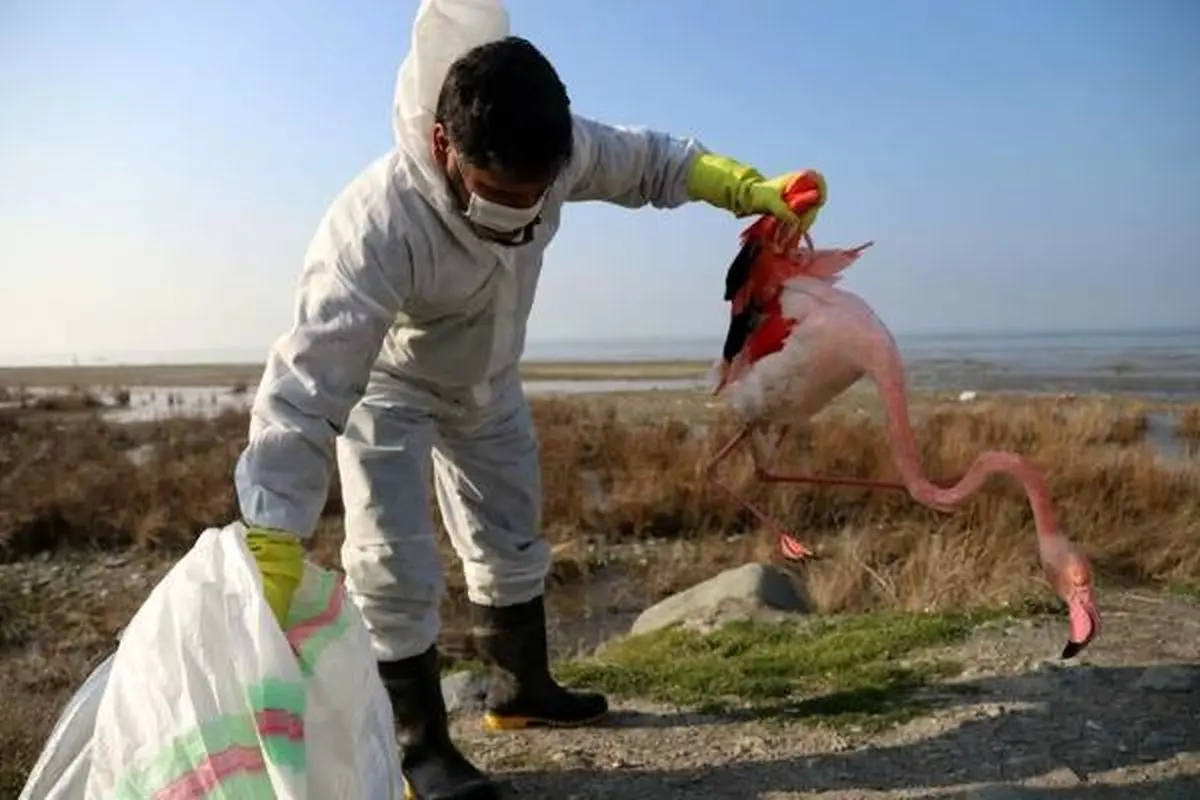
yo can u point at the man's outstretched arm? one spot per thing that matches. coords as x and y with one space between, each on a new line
636 167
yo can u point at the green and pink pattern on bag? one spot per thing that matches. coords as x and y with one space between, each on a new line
316 620
226 758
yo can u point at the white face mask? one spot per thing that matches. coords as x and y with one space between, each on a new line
502 219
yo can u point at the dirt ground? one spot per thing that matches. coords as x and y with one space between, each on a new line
1123 722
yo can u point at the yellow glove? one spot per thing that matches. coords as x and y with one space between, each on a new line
280 558
742 190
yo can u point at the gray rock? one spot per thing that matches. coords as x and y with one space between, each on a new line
1168 678
748 591
464 691
1061 778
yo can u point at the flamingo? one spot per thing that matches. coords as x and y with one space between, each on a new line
796 341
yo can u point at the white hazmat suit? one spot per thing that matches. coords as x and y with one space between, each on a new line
406 339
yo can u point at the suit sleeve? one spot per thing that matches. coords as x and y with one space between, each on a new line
353 284
631 167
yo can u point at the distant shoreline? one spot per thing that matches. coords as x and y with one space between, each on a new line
943 375
131 375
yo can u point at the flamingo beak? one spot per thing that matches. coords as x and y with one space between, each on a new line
1085 623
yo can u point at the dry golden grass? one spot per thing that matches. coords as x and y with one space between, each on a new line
81 484
1189 424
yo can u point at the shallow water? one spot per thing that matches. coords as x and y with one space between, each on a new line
1158 364
150 403
629 385
1160 434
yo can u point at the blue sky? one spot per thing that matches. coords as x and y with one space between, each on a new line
1020 165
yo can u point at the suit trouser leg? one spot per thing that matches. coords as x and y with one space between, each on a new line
489 491
394 575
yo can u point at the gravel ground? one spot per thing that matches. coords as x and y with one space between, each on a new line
1122 723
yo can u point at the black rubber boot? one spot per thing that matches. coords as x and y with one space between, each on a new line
433 767
522 693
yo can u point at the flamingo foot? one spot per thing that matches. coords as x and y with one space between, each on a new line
793 549
790 547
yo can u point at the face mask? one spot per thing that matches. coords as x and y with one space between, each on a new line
496 222
501 219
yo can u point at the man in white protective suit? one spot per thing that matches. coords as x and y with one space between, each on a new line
403 353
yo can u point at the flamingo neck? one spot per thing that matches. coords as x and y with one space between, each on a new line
995 461
889 378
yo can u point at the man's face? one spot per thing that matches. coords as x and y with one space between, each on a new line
518 202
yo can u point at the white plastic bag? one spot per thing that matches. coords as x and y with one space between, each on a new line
62 768
207 697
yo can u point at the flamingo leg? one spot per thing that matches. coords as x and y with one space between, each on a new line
763 471
767 476
733 444
790 547
866 483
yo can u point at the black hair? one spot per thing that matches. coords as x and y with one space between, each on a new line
505 110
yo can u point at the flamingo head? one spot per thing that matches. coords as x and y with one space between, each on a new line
1068 571
753 283
769 251
803 193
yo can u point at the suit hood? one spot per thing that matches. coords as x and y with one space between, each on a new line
442 31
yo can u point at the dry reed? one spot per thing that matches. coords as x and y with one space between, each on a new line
88 483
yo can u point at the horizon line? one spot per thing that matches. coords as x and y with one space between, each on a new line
241 355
